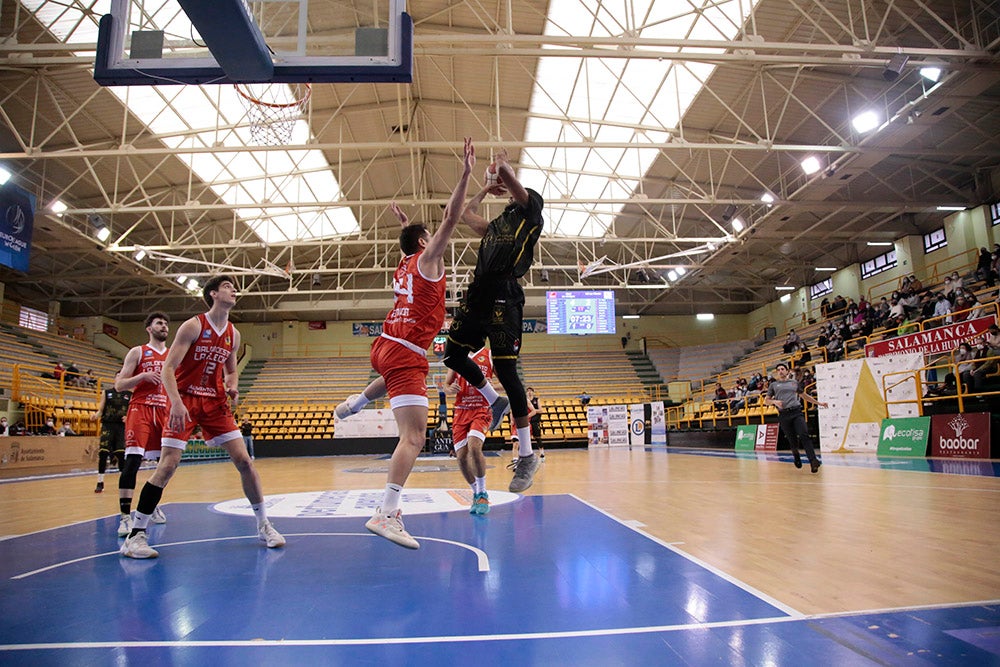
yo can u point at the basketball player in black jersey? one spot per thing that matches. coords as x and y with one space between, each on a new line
493 305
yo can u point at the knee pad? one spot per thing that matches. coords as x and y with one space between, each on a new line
129 471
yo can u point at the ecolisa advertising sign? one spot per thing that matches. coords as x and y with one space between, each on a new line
904 436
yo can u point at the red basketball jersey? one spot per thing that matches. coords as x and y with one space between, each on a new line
147 393
200 372
418 312
468 397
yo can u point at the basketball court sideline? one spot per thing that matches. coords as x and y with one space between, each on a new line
543 579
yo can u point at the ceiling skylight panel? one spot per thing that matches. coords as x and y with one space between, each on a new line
632 93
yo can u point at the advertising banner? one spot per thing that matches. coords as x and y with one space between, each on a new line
617 426
637 424
904 437
371 329
746 437
367 424
597 425
857 399
17 219
932 341
46 451
767 438
657 424
962 436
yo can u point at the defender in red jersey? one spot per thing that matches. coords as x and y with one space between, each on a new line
469 427
400 353
141 374
200 378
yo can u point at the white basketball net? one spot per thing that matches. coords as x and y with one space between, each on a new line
273 109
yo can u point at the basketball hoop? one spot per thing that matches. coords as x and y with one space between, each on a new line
272 109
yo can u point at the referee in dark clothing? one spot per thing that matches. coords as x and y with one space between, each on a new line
787 395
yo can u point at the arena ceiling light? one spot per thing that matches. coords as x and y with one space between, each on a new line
181 279
737 225
4 175
58 207
102 234
767 198
139 255
193 285
826 268
931 73
785 298
784 288
811 165
951 208
876 244
705 317
630 317
866 121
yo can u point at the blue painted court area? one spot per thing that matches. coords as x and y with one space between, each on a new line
542 580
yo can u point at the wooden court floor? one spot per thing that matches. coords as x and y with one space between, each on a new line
849 538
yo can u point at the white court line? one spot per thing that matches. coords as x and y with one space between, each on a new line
697 561
455 639
483 561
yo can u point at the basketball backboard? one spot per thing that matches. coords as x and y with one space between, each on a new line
156 42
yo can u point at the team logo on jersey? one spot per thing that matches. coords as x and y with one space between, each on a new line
206 334
228 341
147 353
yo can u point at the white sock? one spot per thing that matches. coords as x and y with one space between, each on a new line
141 520
391 497
260 512
523 441
100 477
489 393
479 486
358 403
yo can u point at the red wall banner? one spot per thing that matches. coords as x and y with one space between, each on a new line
962 436
932 341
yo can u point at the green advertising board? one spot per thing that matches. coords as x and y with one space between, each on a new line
904 436
746 438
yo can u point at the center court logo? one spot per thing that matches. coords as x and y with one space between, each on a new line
360 503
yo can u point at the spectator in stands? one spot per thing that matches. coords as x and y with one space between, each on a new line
952 284
927 306
49 428
838 307
965 363
739 396
834 348
57 372
787 394
984 268
721 397
942 307
897 309
802 355
824 308
4 428
89 380
791 341
19 428
72 375
584 398
991 349
66 429
246 430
